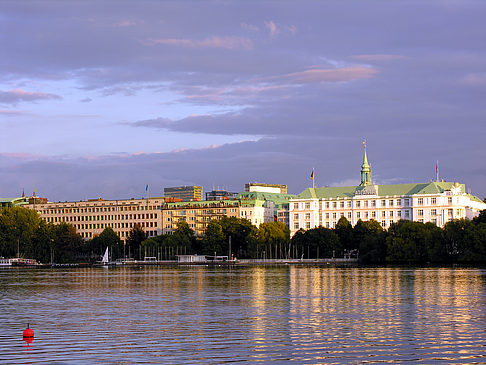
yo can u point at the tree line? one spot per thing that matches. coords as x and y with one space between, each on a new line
24 233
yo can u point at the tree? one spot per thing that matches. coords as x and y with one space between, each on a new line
17 227
67 243
324 243
407 242
214 239
274 237
243 235
344 230
370 239
134 240
107 238
182 238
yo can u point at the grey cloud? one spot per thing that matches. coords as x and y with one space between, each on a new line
19 95
270 160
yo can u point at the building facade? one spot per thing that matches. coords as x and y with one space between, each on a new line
266 188
198 214
435 202
91 217
185 193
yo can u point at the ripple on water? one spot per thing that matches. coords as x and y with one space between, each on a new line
244 314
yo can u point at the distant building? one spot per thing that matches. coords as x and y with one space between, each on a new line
185 193
13 202
435 202
91 217
198 214
266 188
280 203
220 195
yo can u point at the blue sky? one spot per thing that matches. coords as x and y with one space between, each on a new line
99 98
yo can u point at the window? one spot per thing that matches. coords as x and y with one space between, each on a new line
433 212
296 205
327 205
366 203
420 201
391 213
307 205
327 215
420 212
307 215
399 213
307 225
407 202
296 217
383 223
349 204
358 204
342 204
450 212
334 205
383 214
449 200
349 215
407 214
390 203
433 201
373 214
383 203
296 225
373 203
334 215
327 224
358 215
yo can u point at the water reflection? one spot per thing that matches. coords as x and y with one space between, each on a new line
219 314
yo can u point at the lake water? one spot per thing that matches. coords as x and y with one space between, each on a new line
211 315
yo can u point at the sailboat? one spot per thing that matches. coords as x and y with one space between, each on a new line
105 261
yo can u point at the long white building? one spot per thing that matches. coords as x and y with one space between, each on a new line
435 202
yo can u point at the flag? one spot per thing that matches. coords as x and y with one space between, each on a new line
364 143
312 174
146 188
437 167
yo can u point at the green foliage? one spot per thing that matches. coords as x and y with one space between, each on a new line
67 244
370 239
214 240
97 246
134 240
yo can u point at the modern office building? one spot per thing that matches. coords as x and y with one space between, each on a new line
435 202
91 217
220 195
266 188
185 193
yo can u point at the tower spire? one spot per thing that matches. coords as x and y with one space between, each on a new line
365 169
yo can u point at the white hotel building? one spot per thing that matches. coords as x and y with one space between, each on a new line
435 202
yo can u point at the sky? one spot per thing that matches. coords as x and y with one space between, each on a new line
101 98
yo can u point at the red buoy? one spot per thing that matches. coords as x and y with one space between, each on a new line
28 333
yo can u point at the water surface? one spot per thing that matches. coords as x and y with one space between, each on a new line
216 315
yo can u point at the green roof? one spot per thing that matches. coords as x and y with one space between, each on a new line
4 202
383 190
279 200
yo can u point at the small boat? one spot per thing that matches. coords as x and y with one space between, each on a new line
105 261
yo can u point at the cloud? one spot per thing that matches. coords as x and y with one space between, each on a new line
377 57
272 28
343 74
86 100
18 95
211 42
11 113
475 79
125 23
250 27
